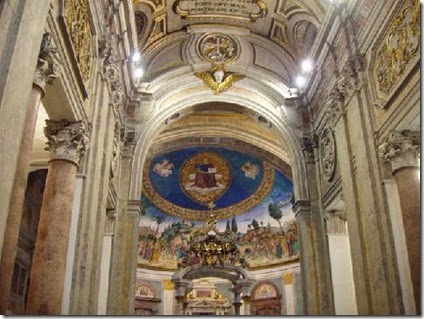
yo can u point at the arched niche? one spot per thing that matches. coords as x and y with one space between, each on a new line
265 299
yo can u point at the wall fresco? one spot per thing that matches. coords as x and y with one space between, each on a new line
266 233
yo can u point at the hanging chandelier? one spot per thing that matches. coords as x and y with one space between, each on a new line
209 247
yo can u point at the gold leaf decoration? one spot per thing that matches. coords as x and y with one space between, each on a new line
399 47
78 27
218 79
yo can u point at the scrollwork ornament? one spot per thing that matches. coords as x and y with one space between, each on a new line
327 150
47 66
309 144
66 140
115 153
399 47
78 26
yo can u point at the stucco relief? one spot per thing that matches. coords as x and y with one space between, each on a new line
77 25
398 50
327 152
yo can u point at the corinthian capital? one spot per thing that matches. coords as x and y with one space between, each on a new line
66 140
401 149
47 67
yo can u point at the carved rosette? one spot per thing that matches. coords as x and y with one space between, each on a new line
47 66
401 149
66 140
218 48
327 150
335 221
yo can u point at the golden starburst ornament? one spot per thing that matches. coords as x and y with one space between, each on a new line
218 79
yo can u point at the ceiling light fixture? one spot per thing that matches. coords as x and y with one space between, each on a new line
300 81
136 56
138 73
307 66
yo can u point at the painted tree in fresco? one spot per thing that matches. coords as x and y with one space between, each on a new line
227 227
276 213
234 227
159 220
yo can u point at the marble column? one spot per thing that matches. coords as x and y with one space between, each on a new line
67 142
401 150
45 73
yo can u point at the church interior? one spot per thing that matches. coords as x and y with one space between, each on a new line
210 157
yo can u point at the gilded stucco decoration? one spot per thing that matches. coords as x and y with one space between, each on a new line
218 48
77 24
218 79
156 5
241 10
399 47
327 150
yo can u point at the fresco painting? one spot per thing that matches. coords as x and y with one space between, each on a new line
266 232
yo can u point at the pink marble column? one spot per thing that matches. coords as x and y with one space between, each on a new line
401 149
45 73
67 143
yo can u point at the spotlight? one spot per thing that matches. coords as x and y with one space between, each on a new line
136 57
300 81
138 73
307 66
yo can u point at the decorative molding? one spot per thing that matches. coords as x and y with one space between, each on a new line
401 149
47 66
114 164
112 74
327 150
66 140
399 47
335 221
302 208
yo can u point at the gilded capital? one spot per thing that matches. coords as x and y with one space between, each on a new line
288 278
168 284
401 149
47 67
66 140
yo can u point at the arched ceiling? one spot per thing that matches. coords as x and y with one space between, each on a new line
292 24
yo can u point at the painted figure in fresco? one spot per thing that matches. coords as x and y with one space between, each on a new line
164 168
205 175
250 170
